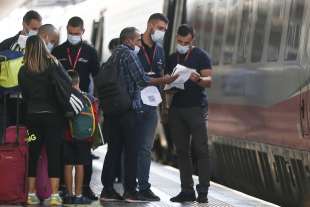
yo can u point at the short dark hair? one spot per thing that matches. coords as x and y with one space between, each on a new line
127 33
75 78
185 30
76 22
30 15
158 16
114 43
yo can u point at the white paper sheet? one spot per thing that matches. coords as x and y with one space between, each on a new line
184 74
150 96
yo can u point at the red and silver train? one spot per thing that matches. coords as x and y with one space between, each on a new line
259 103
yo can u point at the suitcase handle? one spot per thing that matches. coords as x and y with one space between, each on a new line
5 117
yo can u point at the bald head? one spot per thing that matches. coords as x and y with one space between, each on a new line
49 34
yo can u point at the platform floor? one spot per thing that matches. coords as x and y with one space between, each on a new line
165 183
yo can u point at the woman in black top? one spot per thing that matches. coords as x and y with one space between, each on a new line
45 123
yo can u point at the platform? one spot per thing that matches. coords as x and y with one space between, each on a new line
165 183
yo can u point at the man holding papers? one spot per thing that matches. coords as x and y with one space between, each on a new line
188 113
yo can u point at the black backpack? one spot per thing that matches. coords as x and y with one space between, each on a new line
111 89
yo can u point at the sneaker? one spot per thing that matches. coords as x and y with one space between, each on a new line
110 195
148 195
87 192
81 200
32 199
55 200
132 197
202 198
184 197
68 199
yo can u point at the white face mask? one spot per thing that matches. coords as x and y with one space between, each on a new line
74 39
158 36
32 33
50 47
136 50
182 49
22 41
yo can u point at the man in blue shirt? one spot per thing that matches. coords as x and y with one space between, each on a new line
121 128
188 116
152 58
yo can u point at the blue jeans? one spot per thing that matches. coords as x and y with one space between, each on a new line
146 125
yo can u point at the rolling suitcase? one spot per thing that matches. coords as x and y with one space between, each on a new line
13 164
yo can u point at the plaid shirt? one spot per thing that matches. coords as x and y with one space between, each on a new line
132 73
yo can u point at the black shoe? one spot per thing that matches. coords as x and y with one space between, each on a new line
132 197
184 197
81 200
68 199
87 192
148 195
202 198
110 195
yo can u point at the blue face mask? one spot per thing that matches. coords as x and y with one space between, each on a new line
50 47
32 33
74 39
158 36
182 49
136 50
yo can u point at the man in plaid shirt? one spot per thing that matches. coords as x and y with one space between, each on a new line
121 129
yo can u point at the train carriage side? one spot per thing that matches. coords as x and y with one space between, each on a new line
259 103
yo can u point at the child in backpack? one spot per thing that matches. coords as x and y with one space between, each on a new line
77 151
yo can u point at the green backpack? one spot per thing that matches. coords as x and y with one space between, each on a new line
83 125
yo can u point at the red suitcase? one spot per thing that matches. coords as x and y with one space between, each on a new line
13 164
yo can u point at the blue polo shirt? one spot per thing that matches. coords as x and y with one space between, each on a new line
193 95
152 59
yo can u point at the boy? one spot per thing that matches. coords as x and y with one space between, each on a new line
77 154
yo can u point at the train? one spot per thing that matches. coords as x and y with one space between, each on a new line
259 103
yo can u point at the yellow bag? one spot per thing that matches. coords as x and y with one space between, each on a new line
10 63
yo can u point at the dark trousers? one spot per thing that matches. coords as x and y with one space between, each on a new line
121 136
188 126
45 129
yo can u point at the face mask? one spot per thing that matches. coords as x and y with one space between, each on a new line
158 36
136 50
32 33
50 47
74 39
22 41
182 49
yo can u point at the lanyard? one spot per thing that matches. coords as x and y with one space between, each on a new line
186 57
74 62
148 59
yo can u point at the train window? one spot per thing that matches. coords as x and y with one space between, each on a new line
245 31
294 29
219 31
277 20
198 23
259 34
231 31
207 37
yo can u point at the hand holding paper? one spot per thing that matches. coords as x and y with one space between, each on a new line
184 74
